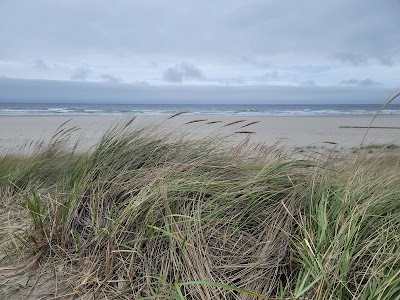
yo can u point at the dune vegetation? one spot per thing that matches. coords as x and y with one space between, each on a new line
146 216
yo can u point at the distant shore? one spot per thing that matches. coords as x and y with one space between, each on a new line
296 131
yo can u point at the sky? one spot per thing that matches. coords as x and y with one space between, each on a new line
260 51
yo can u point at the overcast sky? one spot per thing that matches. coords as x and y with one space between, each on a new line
188 46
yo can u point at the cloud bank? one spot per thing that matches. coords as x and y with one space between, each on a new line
183 71
43 91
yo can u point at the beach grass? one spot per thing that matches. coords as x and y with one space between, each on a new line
144 215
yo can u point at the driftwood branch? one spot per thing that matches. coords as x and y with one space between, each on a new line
372 127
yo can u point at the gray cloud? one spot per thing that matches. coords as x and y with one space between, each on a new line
181 72
387 61
80 74
357 59
308 83
350 82
40 65
172 75
142 83
192 72
273 75
368 82
352 58
110 78
363 82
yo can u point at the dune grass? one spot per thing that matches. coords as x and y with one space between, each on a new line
150 216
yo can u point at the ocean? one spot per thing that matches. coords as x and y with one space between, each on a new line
64 109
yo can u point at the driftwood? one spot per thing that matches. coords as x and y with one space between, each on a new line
374 127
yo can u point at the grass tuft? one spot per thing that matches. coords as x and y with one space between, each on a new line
149 216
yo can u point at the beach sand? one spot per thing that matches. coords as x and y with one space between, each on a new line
288 131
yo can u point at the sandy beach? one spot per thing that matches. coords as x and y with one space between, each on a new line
288 131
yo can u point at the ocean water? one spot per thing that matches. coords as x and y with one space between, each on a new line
65 109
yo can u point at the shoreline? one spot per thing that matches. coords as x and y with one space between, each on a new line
292 131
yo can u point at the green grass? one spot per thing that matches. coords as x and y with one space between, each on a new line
147 216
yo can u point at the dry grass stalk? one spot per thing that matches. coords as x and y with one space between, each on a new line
196 121
251 123
213 122
235 122
246 132
177 114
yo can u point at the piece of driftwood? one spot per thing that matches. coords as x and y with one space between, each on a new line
374 127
